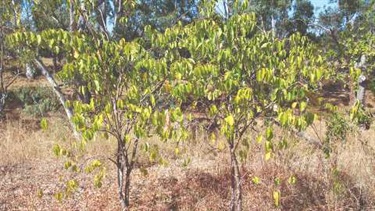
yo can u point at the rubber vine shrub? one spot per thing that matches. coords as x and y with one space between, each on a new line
337 130
126 82
241 75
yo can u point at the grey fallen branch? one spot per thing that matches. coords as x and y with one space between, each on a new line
304 136
308 138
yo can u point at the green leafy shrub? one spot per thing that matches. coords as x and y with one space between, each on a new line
360 116
337 127
365 119
337 130
36 101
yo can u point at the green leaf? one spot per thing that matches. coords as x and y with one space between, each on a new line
59 196
67 164
38 39
276 198
143 171
72 185
152 100
302 106
176 151
44 124
213 110
267 156
292 180
39 193
255 180
294 105
98 179
57 150
97 85
229 120
269 133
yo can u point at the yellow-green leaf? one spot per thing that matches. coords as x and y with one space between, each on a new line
302 106
267 156
256 180
229 120
292 180
44 124
276 198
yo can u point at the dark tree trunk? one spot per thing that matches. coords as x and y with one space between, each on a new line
120 179
123 180
2 85
127 187
123 176
55 63
125 164
236 200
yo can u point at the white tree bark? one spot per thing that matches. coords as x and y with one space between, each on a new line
2 101
361 92
60 95
30 71
71 16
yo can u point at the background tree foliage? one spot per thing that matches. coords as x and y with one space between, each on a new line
10 21
158 14
50 15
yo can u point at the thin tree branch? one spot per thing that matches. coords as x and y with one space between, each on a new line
11 81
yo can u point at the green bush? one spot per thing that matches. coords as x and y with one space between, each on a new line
36 101
337 127
337 130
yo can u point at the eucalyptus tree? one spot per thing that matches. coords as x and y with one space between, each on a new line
346 15
273 15
50 14
282 17
303 14
347 38
241 75
159 14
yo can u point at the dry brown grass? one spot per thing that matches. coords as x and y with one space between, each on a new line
343 182
22 141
